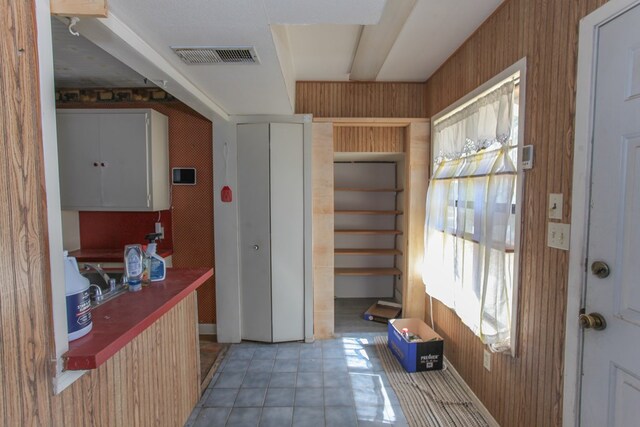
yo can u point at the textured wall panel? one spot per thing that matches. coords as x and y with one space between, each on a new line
323 224
369 139
355 99
116 229
191 221
526 390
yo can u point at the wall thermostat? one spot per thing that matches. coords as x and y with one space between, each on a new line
183 176
527 157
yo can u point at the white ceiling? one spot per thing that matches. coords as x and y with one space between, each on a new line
323 52
316 41
78 63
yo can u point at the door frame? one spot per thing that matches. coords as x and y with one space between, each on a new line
580 201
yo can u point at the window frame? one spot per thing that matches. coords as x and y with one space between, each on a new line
518 67
61 379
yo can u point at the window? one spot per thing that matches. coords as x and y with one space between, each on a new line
472 209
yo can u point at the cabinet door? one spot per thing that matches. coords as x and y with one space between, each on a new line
254 229
79 160
124 150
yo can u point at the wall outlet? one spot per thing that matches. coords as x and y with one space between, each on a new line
486 360
160 229
558 235
555 206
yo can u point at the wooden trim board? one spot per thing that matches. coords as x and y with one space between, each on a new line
89 8
367 272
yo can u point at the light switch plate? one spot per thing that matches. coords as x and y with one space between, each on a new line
486 360
558 235
555 206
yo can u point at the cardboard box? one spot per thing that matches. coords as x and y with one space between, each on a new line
382 311
416 356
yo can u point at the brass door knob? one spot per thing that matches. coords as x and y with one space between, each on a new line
600 269
592 321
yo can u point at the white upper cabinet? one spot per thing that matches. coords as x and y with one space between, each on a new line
113 160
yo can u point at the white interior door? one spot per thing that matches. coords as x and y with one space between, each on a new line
611 357
254 229
287 231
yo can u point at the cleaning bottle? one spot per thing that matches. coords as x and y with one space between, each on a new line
79 321
157 264
133 257
146 267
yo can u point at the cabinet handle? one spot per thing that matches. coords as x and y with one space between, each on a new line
95 164
103 164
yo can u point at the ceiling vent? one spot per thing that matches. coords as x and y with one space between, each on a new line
217 55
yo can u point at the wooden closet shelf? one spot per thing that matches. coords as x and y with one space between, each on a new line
358 251
367 272
367 212
372 190
351 231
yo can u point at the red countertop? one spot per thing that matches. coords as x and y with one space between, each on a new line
108 255
119 321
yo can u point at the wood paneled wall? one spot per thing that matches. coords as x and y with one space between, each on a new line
356 99
323 224
526 390
154 380
369 139
417 166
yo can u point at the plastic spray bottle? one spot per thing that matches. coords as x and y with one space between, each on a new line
157 264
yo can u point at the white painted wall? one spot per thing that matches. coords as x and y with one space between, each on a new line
52 186
226 241
70 230
364 175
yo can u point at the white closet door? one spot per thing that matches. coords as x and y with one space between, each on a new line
287 231
254 229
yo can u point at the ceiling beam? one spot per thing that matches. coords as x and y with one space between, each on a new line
92 8
377 40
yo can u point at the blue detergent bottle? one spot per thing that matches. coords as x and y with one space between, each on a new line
79 321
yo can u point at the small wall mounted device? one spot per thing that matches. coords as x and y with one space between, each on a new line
527 157
183 176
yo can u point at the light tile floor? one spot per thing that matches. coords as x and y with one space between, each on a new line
338 382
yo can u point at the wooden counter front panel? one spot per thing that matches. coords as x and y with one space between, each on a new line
154 380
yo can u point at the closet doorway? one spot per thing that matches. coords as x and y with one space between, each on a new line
369 186
368 240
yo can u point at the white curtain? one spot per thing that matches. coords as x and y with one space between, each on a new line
469 227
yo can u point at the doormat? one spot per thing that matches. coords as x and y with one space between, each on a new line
432 398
